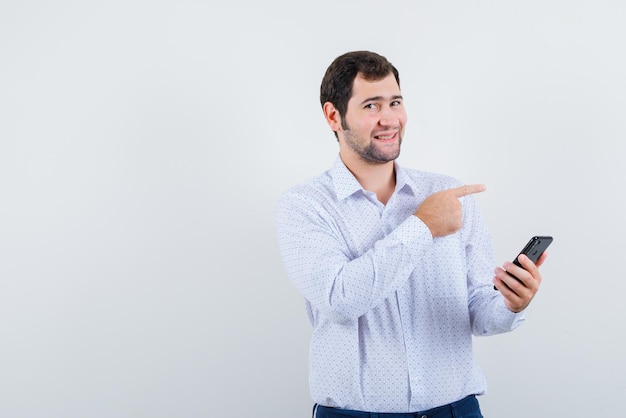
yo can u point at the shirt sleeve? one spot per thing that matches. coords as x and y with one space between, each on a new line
338 285
488 313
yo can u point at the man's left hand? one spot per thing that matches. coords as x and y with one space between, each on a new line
518 291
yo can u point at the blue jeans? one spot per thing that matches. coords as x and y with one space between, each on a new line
465 408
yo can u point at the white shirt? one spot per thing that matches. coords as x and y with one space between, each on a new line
392 309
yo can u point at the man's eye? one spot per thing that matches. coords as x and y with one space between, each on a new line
396 103
371 106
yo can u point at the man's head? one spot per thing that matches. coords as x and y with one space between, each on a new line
361 100
337 83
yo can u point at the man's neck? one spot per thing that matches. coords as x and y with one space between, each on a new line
377 178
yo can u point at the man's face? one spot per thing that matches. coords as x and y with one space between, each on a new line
374 121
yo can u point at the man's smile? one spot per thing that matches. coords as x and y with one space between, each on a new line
386 137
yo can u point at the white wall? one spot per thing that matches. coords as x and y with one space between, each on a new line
143 144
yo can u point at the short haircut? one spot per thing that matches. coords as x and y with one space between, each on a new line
337 83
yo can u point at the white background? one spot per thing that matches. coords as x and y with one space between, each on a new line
143 145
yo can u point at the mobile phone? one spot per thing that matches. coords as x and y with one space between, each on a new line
533 249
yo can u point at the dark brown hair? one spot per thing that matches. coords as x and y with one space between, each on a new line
337 82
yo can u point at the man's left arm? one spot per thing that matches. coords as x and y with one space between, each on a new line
489 309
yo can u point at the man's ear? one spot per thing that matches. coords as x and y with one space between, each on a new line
332 116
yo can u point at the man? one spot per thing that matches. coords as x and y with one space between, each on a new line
395 265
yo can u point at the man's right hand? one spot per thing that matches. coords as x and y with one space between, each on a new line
442 212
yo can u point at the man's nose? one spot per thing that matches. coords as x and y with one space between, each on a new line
388 117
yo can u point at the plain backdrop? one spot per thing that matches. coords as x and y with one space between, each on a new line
143 145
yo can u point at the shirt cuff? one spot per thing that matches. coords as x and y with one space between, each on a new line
414 235
511 320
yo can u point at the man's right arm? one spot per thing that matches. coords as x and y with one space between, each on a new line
318 261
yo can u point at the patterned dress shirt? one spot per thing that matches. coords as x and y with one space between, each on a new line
393 309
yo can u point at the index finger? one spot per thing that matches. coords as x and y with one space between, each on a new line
468 189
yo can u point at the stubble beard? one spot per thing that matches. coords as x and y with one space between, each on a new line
371 153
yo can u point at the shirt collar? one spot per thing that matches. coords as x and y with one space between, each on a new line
344 181
346 184
404 180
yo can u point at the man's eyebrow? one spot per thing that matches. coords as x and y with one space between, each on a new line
379 98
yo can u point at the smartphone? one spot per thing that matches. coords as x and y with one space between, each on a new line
533 249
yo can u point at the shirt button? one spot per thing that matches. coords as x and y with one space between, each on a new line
424 416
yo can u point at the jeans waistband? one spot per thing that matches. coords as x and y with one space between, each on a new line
437 412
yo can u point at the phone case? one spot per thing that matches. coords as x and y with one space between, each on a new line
534 248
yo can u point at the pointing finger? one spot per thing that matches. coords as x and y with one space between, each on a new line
468 189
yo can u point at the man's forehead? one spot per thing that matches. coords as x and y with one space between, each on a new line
385 87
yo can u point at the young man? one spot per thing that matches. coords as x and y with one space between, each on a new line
395 265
